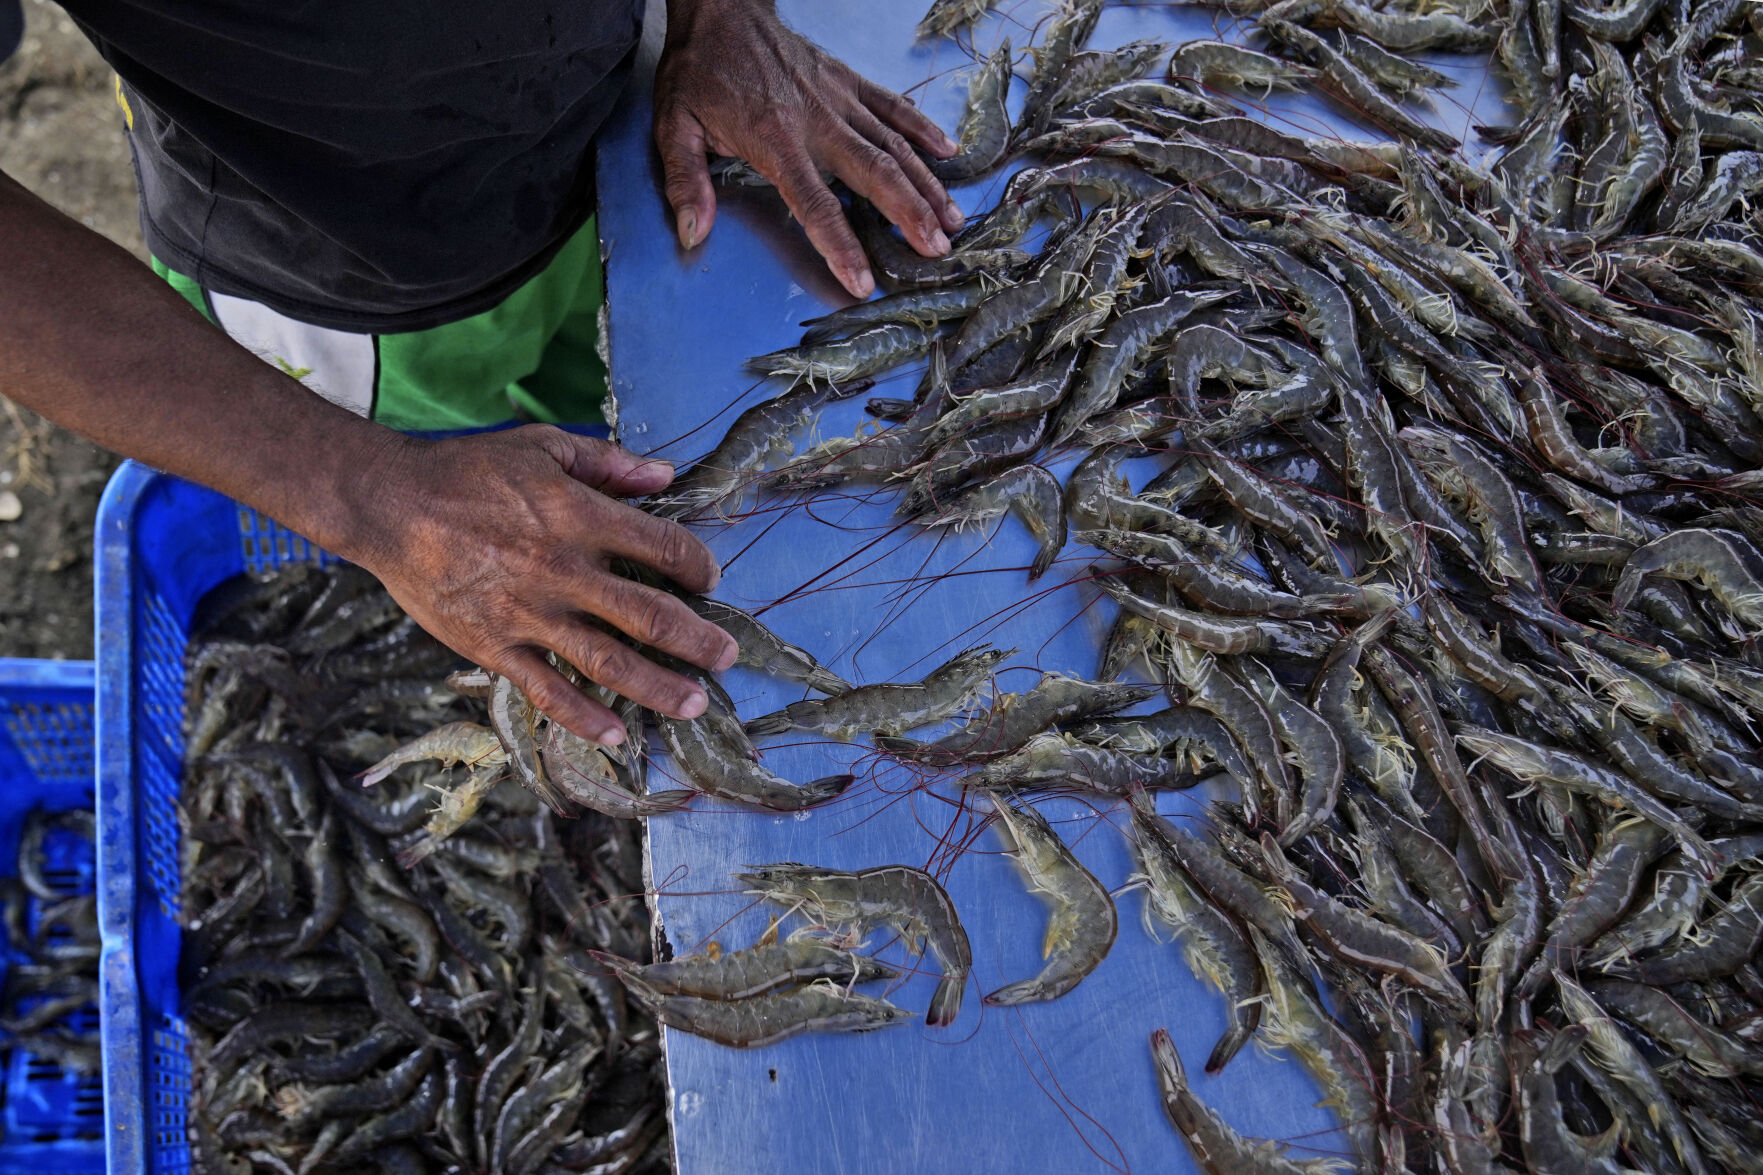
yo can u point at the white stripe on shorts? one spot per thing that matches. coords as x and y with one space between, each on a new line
338 365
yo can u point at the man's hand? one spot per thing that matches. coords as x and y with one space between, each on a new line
734 81
501 545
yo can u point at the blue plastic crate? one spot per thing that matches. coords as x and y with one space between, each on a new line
50 1121
162 544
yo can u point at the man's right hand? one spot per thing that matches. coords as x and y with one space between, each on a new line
501 546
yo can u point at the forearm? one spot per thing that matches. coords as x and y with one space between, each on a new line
92 340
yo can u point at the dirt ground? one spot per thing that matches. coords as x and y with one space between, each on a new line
61 136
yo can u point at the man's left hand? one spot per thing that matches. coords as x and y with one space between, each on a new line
733 80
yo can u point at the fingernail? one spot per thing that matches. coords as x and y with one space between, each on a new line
728 658
860 283
654 470
688 228
946 143
953 212
610 737
715 578
938 242
693 706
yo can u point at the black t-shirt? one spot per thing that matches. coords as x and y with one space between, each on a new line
367 165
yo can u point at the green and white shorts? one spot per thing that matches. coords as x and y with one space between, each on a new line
533 357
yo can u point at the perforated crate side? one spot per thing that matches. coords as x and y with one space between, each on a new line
51 1121
268 545
170 1082
55 739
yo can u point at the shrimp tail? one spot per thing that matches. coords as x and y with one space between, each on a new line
768 724
1229 1045
945 1003
826 788
825 681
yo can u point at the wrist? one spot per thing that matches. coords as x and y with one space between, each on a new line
330 476
357 499
686 17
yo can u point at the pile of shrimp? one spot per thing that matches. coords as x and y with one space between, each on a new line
1450 569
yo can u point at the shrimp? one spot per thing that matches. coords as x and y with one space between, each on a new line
1083 923
1218 1149
889 708
1015 309
1708 1049
1388 892
944 18
458 805
1179 732
1314 746
925 307
1555 443
1721 944
1406 30
718 759
1549 1144
1130 638
1720 562
1642 760
1418 711
1469 1143
1086 74
1104 279
1533 762
1073 22
515 721
1225 698
898 896
739 975
1271 506
1097 497
983 134
1479 656
1463 472
1220 63
1339 76
1057 760
1030 493
1205 582
584 772
1214 948
1220 881
1596 899
1234 179
1612 1050
899 267
1030 394
455 743
743 450
1015 718
1293 1018
1398 74
764 650
1213 633
1361 940
1115 352
1118 179
867 352
822 1006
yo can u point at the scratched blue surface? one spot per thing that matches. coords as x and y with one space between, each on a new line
1065 1086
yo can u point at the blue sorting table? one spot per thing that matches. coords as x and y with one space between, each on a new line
1066 1086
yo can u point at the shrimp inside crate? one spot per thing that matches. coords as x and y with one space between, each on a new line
162 545
50 1120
